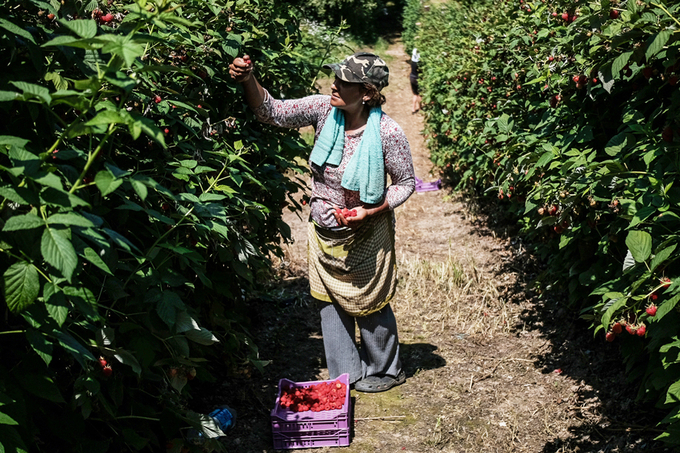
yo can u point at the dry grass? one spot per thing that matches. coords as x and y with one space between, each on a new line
452 295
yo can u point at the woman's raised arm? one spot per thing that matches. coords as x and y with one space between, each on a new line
241 70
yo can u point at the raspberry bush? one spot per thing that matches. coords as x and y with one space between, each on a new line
140 203
567 112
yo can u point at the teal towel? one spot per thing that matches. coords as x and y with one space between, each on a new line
365 171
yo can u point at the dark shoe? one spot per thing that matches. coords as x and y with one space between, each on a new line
375 384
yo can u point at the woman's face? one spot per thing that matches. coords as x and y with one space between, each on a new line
346 95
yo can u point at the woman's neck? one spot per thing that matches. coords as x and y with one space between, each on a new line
356 120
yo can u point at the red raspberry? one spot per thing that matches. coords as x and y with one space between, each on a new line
665 282
617 328
107 370
641 330
651 310
610 336
631 329
654 296
157 99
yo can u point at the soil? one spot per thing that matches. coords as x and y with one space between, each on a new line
491 365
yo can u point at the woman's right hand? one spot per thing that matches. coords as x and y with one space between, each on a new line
241 69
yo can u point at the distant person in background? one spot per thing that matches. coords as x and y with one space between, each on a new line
413 77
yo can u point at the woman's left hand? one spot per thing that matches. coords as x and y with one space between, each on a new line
352 218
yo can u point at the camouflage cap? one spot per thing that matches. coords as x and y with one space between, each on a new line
362 67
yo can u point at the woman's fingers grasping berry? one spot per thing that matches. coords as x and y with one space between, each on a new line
241 68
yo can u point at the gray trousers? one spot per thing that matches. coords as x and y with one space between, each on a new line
379 350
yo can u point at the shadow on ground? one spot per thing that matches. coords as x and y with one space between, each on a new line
286 328
610 418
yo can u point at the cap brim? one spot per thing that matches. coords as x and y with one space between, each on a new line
337 69
333 68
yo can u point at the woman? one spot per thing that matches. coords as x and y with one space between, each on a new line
413 78
352 265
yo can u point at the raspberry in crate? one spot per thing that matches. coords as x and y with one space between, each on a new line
311 414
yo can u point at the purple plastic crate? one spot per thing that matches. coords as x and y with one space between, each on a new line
310 429
311 439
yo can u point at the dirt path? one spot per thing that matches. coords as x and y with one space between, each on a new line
490 366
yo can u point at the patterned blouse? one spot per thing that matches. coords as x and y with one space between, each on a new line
327 191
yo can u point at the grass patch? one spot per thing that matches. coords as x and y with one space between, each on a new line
451 296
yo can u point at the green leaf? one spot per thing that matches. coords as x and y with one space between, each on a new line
120 240
50 180
657 43
6 420
168 307
21 285
106 182
184 322
139 188
660 257
85 28
504 124
60 83
70 218
545 159
107 117
92 256
202 336
618 143
11 140
42 386
63 199
127 358
149 127
57 250
628 261
611 310
640 245
7 96
105 336
123 47
32 90
620 62
673 394
40 345
55 303
24 162
606 77
23 222
123 81
72 41
211 197
667 306
73 347
12 28
641 215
